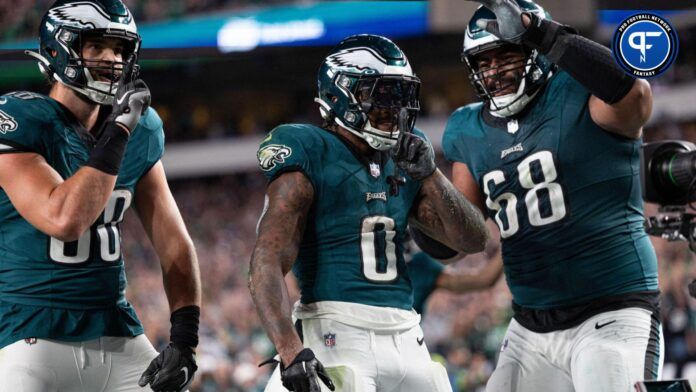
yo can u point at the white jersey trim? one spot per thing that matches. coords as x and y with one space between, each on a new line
376 318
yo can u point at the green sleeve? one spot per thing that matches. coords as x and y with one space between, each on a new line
152 126
22 125
285 149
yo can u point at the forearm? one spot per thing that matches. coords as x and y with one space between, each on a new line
74 205
182 281
270 295
483 279
447 216
589 62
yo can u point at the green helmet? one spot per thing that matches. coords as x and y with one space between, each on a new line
366 73
532 73
63 31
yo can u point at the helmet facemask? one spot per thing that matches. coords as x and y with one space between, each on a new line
97 80
376 104
519 77
382 100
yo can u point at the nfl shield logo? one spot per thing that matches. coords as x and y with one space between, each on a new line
374 170
330 339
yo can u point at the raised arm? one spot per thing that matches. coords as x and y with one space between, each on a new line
58 208
443 213
619 103
440 210
65 209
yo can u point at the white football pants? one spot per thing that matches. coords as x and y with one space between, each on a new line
363 360
107 364
609 352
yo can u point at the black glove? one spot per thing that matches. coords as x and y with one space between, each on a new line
132 97
414 155
508 20
172 370
301 375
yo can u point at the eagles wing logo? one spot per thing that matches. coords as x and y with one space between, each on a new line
7 123
84 14
271 155
350 58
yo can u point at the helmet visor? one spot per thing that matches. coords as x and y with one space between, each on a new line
387 92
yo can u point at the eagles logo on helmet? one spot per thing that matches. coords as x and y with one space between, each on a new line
63 31
368 75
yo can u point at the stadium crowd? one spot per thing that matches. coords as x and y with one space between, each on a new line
463 331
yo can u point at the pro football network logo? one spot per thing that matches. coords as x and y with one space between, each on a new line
645 45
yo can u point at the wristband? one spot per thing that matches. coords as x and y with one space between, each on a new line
185 322
108 152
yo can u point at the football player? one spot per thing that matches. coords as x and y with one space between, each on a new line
551 154
427 275
338 203
73 162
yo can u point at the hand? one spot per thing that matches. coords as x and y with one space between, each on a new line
302 373
172 370
414 155
132 97
508 24
130 102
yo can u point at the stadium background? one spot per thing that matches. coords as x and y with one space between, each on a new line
224 72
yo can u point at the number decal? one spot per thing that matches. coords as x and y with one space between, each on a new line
377 244
555 192
510 200
544 199
107 231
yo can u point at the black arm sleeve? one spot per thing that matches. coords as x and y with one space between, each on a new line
588 62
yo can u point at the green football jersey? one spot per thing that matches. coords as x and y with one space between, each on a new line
70 291
352 247
424 271
565 194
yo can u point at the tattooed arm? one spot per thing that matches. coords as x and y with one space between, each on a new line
290 197
443 213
